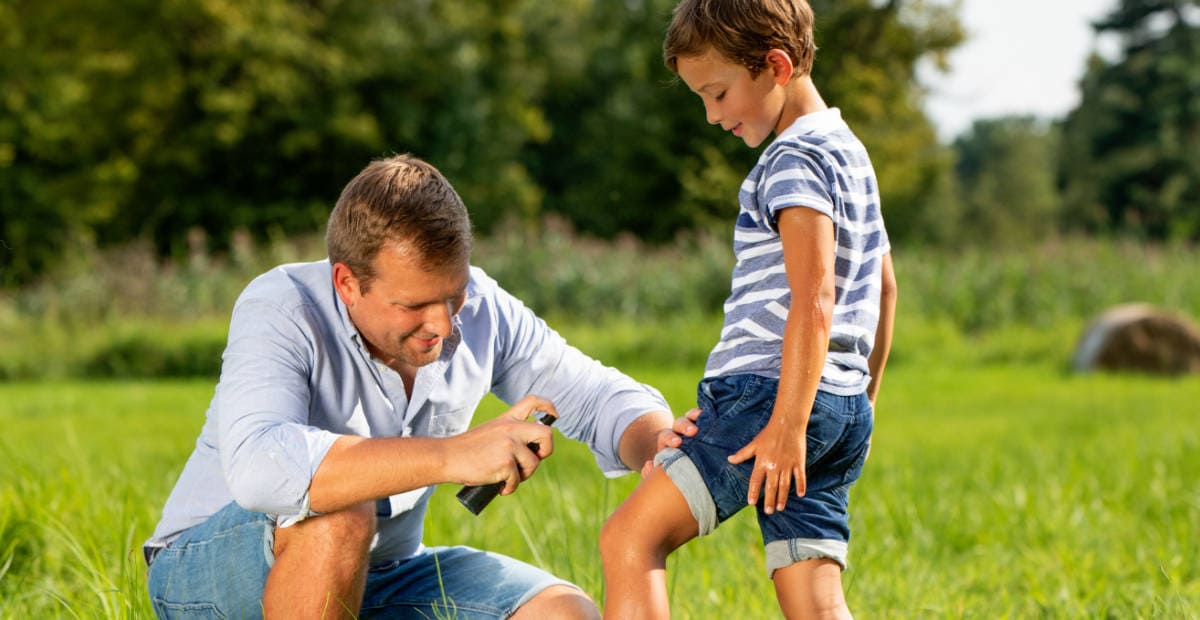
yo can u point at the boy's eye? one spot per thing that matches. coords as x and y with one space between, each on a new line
720 96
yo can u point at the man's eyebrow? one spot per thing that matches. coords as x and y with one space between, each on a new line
416 304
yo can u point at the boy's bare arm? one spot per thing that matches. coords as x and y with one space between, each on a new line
883 333
779 448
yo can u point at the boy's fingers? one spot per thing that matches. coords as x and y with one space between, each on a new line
756 480
769 494
785 485
743 454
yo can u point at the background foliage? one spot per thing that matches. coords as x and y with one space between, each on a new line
146 120
1131 158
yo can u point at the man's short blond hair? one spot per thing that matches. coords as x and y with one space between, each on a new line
401 199
742 31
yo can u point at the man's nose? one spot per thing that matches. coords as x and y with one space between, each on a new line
438 318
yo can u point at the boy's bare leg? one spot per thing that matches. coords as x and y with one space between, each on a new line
321 565
811 589
634 545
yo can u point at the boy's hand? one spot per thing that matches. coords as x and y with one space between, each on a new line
673 437
779 453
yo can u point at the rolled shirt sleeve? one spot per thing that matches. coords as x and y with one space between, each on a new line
595 403
269 454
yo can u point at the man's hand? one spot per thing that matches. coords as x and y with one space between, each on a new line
673 437
498 451
779 452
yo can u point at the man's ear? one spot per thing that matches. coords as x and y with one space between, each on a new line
346 284
780 65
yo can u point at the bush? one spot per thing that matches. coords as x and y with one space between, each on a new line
145 356
123 312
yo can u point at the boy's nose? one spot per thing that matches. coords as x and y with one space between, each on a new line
711 114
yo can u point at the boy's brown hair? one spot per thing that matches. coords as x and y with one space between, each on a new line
400 199
742 31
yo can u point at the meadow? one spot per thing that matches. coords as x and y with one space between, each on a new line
1000 485
994 489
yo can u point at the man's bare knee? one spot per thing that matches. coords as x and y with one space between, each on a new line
348 531
558 601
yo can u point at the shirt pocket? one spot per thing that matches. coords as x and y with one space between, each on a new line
449 421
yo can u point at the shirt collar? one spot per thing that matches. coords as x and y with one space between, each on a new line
825 120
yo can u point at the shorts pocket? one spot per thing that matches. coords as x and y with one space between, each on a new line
861 432
825 427
736 413
165 609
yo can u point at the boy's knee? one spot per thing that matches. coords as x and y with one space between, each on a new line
610 536
621 537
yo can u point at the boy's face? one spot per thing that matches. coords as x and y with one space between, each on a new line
748 106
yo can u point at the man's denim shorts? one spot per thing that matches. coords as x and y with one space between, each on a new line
218 570
734 410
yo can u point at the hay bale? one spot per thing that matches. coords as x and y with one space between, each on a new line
1139 337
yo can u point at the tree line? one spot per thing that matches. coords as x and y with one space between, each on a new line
147 119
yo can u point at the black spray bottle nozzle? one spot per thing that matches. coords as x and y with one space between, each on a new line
477 497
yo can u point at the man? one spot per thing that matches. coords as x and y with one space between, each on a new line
346 390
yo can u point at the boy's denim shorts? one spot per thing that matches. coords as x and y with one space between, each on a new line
218 570
733 411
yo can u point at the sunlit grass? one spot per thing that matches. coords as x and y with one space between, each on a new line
994 489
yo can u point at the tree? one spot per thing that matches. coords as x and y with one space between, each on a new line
1007 180
1131 149
630 149
149 119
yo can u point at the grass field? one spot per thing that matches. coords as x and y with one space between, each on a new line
995 489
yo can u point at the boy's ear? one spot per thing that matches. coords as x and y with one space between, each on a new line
780 65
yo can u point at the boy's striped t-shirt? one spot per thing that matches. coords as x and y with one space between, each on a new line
817 163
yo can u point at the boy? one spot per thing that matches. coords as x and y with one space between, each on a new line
788 392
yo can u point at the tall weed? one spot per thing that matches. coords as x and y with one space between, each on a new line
124 312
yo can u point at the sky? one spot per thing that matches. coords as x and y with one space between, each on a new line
1020 57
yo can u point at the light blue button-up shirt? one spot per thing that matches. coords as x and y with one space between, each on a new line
296 375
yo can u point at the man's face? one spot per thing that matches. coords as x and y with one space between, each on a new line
406 313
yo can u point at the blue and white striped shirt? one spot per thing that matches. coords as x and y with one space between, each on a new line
820 164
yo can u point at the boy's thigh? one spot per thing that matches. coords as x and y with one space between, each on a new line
215 569
453 582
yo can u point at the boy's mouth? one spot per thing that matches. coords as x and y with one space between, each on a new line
737 130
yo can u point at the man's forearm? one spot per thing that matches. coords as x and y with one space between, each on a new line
639 442
358 469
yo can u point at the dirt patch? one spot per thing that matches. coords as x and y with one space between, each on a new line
1142 338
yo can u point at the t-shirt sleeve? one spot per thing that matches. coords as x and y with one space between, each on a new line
794 178
595 403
